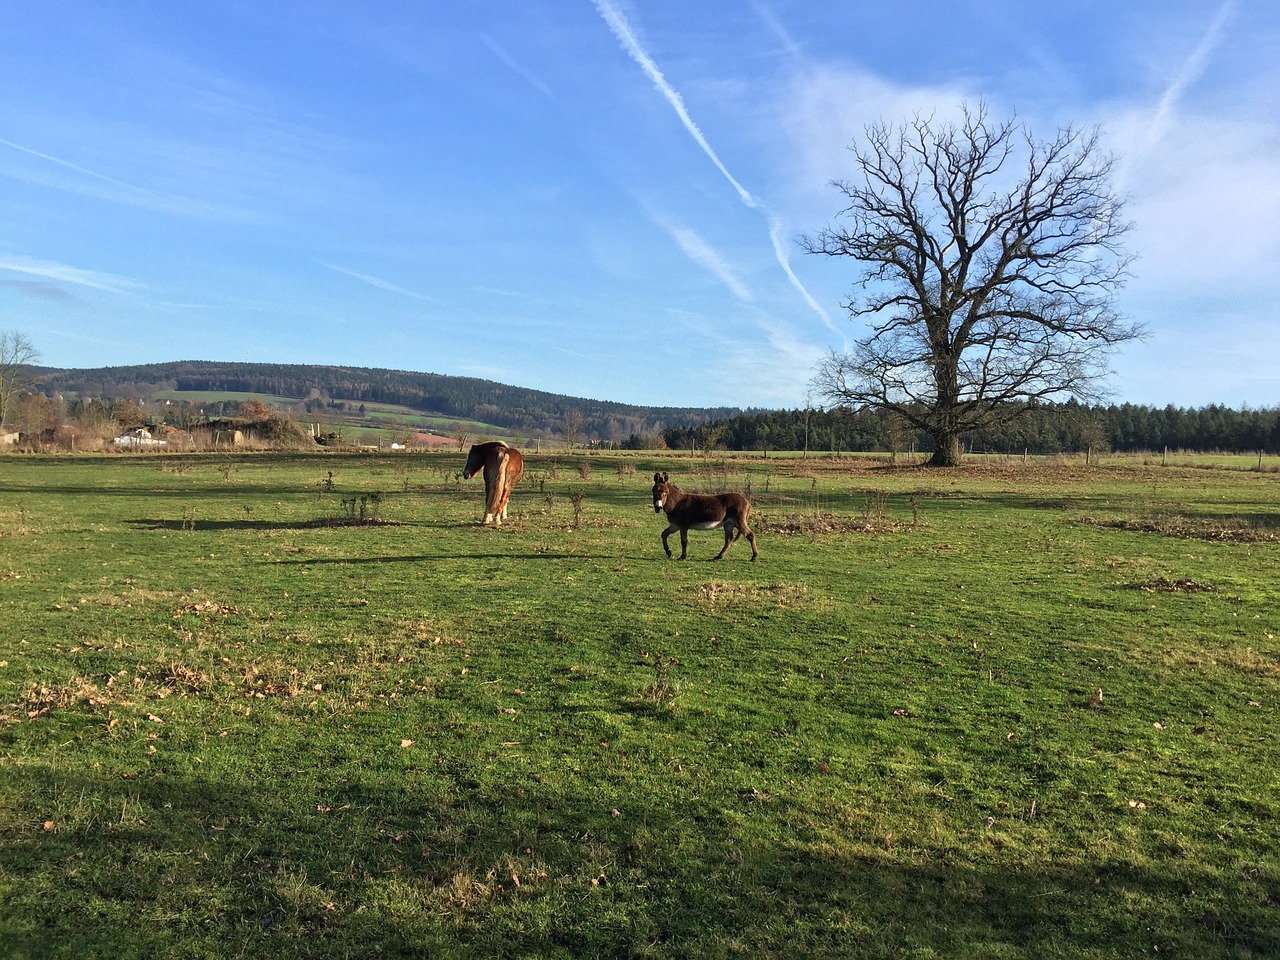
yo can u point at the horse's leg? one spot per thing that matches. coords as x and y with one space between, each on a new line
498 505
490 489
504 498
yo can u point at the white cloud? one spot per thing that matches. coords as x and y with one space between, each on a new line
824 108
1209 207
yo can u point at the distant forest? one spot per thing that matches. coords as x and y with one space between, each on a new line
1044 429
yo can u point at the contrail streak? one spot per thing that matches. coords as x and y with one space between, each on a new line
626 36
60 272
1191 70
775 236
83 170
379 283
622 30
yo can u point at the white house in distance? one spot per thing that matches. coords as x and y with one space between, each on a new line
138 437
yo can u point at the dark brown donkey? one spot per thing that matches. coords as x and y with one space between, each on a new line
701 511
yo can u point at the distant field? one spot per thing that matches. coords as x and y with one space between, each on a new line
383 419
223 396
304 706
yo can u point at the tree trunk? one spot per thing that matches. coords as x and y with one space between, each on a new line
946 451
947 448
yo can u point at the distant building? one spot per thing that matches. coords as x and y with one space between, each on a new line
138 437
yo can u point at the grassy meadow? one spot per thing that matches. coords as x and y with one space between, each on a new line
305 706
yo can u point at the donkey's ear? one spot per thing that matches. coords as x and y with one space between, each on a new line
664 478
657 478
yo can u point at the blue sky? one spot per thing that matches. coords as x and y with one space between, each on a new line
602 198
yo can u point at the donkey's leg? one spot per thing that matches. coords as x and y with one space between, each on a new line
666 533
730 535
684 542
751 539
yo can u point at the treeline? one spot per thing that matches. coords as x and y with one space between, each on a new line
516 409
1043 429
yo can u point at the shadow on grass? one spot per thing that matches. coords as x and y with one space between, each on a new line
435 557
463 858
198 525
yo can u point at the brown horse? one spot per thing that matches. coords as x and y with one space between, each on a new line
503 467
700 511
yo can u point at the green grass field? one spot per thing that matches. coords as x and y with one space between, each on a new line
304 706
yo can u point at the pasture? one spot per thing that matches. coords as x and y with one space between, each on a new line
306 706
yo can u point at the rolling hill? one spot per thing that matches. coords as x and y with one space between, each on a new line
515 410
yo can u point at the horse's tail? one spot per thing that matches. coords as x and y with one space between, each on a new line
515 466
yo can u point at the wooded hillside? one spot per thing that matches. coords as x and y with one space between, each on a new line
517 409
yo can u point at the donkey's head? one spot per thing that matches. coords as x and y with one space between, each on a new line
662 488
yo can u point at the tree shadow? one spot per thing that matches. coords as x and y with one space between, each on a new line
199 524
462 857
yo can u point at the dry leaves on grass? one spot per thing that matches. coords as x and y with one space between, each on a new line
1220 530
176 677
1181 585
205 608
825 523
39 700
716 592
262 681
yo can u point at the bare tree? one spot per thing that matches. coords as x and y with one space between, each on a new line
461 434
989 265
572 425
17 352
